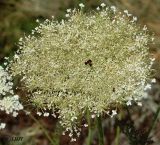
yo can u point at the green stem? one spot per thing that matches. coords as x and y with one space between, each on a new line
118 132
89 128
44 130
117 135
153 123
100 131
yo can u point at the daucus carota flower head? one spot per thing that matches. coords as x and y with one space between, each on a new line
91 61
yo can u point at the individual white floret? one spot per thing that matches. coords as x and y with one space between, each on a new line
139 103
153 80
129 103
85 125
46 114
67 15
114 112
81 5
98 8
103 5
39 113
2 125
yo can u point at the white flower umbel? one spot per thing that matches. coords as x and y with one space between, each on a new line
95 61
39 113
46 114
5 82
9 103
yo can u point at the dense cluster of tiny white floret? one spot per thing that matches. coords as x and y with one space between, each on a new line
89 61
5 82
9 103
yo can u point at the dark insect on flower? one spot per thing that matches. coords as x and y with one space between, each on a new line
89 62
113 89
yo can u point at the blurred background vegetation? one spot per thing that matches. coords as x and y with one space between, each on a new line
18 18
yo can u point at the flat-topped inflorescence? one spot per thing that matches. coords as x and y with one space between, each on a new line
89 61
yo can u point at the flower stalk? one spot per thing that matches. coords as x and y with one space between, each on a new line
44 130
100 130
89 139
153 124
117 135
